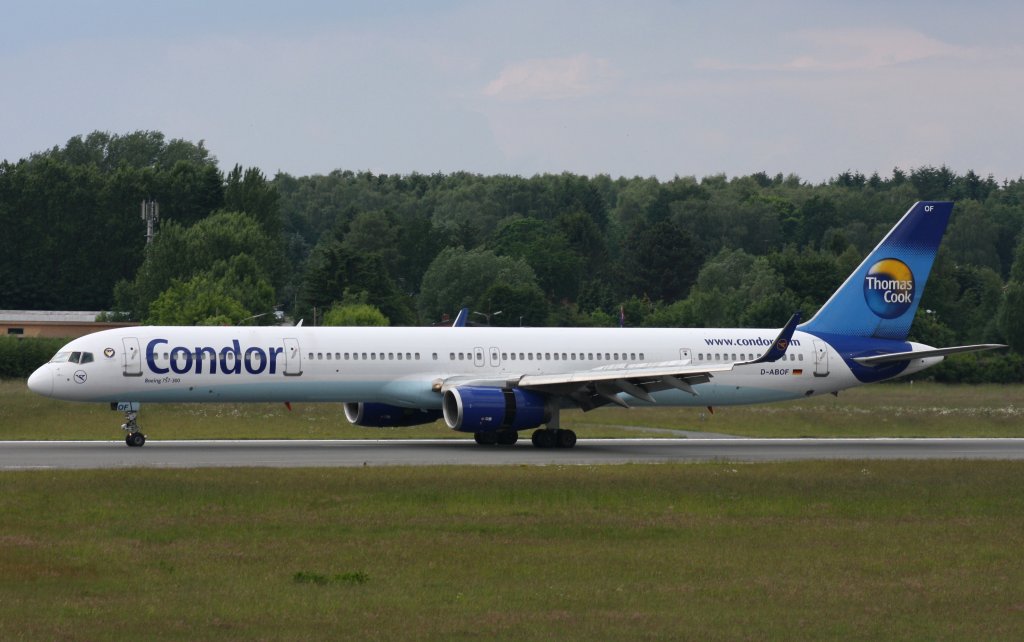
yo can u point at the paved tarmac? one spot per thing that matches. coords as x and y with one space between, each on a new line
23 455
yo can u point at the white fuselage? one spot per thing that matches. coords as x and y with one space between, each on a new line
407 366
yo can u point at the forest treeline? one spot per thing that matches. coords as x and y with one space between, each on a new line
553 249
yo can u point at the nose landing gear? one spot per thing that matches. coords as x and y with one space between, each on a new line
134 438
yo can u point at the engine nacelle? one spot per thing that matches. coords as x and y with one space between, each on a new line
479 409
382 415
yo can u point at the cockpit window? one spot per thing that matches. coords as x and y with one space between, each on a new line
72 357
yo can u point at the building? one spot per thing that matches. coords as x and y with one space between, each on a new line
47 323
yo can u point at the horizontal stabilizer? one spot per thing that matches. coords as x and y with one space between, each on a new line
921 354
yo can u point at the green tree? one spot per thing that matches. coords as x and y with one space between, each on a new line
547 250
1011 311
231 291
250 192
357 314
457 278
181 253
660 260
335 272
198 301
973 236
519 305
1011 308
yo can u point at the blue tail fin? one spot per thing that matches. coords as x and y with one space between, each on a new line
881 297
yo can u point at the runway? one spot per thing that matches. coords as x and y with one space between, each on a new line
27 455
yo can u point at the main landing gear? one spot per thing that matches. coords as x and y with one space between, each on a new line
553 435
497 437
553 438
134 438
543 438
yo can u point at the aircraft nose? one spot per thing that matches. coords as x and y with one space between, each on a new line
41 381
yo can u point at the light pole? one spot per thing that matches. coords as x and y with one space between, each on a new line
256 316
488 315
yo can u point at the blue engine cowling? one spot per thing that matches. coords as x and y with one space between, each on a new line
478 409
382 415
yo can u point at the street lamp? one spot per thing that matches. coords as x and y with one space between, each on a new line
256 316
488 315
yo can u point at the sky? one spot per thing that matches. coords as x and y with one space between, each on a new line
646 88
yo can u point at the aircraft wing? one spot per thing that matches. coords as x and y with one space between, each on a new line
599 386
921 354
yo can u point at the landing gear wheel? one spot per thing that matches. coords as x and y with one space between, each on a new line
134 438
566 438
548 438
543 438
486 438
508 438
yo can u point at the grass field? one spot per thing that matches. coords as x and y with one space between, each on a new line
836 550
889 410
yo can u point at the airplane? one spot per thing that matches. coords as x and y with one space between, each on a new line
495 382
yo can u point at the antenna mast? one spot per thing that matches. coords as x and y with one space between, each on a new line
151 215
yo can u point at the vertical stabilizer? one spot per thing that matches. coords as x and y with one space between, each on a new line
881 297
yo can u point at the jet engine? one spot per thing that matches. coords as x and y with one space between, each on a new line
481 409
382 415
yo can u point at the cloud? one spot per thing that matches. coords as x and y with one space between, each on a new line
551 79
853 50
